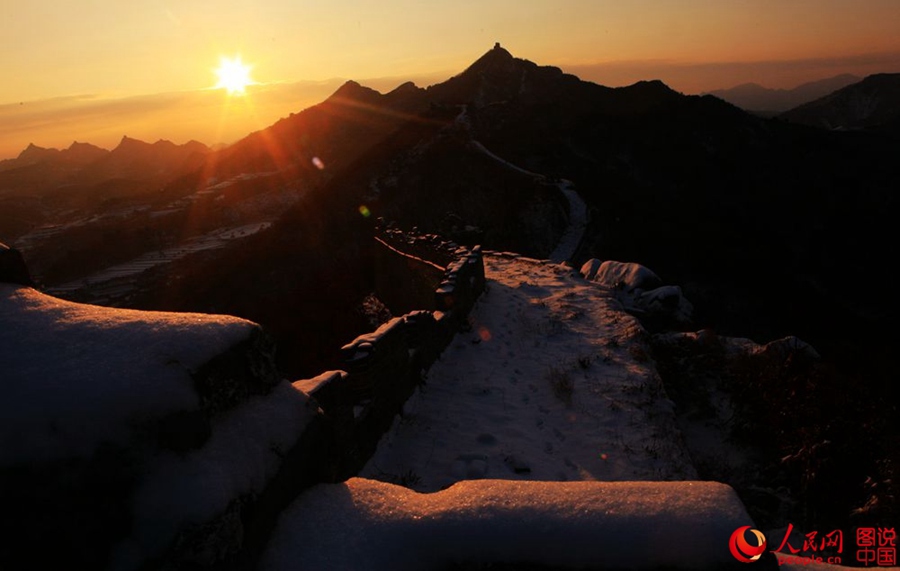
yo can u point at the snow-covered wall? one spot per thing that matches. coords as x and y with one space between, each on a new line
365 524
131 439
411 267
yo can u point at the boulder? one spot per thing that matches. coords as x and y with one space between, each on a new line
627 276
642 293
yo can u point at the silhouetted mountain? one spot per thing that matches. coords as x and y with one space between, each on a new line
764 223
756 98
39 170
51 186
353 91
687 184
84 153
871 104
34 154
76 156
333 133
160 161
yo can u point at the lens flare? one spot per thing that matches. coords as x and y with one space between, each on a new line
364 210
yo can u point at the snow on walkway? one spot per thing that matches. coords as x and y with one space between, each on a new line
571 238
552 383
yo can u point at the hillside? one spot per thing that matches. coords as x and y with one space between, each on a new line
872 104
766 101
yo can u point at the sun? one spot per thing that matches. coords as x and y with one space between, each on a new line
234 75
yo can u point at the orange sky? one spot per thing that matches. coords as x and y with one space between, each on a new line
94 71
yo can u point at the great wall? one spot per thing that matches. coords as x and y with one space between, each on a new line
433 285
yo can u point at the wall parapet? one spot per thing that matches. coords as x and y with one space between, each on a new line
382 368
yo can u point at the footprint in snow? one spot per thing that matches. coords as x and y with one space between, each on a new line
469 466
517 465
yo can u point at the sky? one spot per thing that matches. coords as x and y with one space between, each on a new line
95 70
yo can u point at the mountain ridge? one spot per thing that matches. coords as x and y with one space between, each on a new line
81 154
637 155
871 104
756 98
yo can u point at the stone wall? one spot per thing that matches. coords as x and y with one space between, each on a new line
404 282
335 422
383 368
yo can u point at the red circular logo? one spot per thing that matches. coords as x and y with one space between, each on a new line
741 548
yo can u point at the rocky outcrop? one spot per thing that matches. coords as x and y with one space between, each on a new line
642 293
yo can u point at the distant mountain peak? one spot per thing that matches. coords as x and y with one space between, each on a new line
197 146
498 51
653 84
32 148
129 145
83 153
353 91
497 59
34 153
755 97
164 143
403 88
